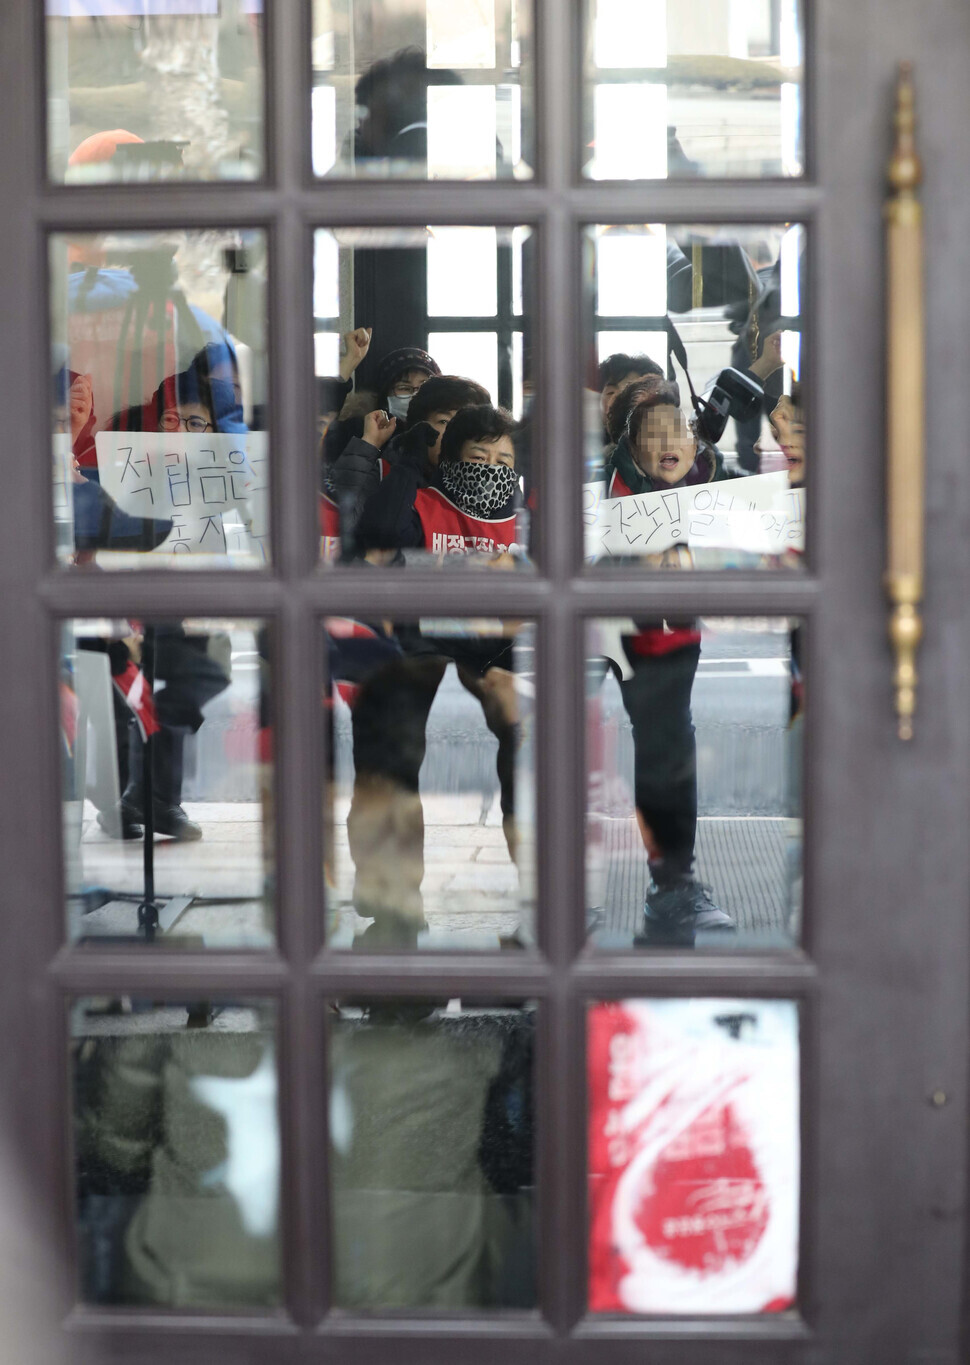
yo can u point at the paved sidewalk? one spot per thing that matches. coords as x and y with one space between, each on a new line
473 895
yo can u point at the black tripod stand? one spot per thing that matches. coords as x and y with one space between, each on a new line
154 914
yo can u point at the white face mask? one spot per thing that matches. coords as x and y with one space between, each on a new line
398 404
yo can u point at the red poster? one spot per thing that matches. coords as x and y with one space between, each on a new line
693 1156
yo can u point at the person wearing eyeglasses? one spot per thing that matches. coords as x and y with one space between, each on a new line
186 663
184 402
174 420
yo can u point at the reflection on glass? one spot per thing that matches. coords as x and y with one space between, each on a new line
423 89
694 1156
431 793
418 330
431 1128
143 91
694 834
693 88
695 429
177 1154
158 399
166 743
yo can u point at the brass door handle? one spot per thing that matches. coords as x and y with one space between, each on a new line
905 389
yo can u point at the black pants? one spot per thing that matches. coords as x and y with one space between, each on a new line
192 678
385 825
657 700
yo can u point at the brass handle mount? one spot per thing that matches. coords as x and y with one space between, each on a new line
905 388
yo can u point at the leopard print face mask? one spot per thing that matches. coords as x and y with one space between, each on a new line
480 490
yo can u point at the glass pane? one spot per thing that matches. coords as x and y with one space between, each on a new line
694 749
423 89
167 724
418 330
695 414
144 90
431 794
694 1156
158 399
177 1153
693 88
431 1131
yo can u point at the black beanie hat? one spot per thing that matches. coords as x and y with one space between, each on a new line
399 362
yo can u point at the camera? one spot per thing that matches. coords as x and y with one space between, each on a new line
733 395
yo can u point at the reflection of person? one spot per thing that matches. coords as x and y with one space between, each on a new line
469 506
658 451
626 400
440 1216
98 522
399 377
130 323
616 372
468 501
332 391
182 662
787 423
393 95
410 444
164 1217
191 678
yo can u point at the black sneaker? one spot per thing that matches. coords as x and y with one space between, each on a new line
675 912
173 821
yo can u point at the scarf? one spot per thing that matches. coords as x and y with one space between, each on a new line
479 490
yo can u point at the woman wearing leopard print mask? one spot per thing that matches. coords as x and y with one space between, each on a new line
471 502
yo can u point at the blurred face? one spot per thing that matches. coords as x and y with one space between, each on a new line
500 451
788 428
438 420
665 448
611 390
406 385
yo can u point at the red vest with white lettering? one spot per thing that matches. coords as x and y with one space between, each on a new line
448 530
329 528
654 640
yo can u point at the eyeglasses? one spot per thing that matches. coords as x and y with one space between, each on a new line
171 421
404 390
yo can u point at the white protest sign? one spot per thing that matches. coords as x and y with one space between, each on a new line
760 514
214 487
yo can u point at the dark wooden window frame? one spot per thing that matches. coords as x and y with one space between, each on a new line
43 975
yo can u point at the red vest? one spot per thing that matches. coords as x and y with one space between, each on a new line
329 528
653 641
617 488
448 530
